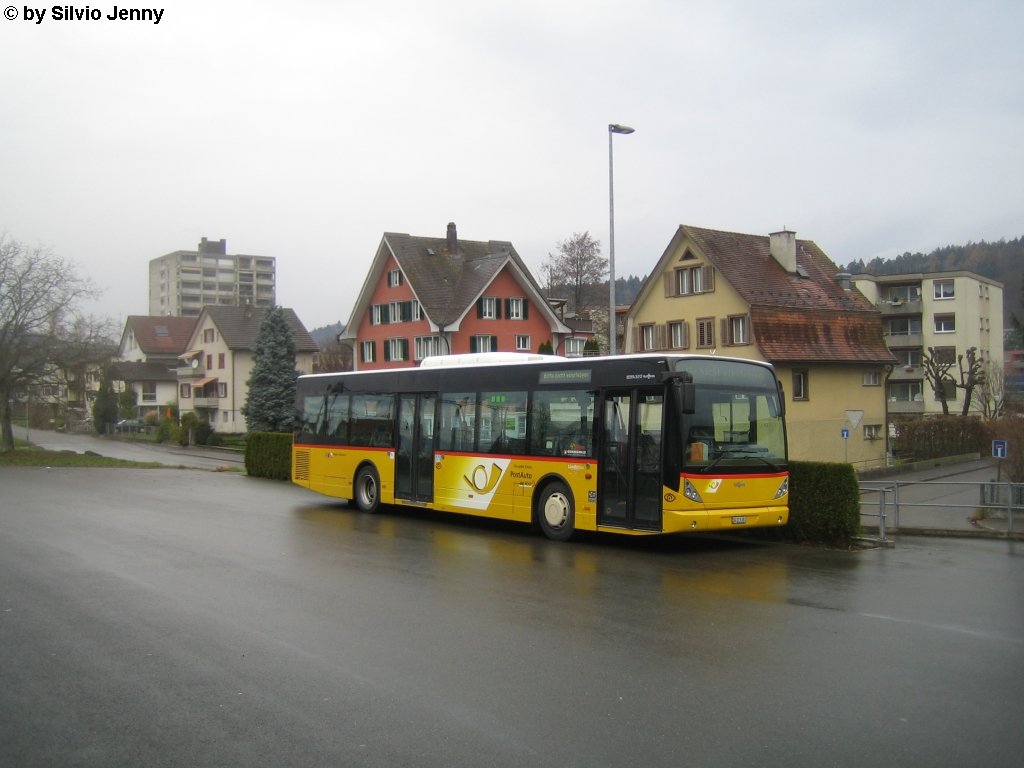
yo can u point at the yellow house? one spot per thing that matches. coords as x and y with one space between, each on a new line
782 300
213 374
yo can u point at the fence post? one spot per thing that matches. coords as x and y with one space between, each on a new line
881 514
1009 507
896 504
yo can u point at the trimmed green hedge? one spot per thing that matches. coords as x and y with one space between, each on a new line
824 503
269 454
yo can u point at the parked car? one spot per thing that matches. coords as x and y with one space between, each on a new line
131 425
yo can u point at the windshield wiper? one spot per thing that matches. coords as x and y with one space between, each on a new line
738 453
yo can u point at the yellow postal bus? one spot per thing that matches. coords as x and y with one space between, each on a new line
635 444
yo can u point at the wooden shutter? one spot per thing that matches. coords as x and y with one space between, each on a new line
526 309
726 339
671 283
709 278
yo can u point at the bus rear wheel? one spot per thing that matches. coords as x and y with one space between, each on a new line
555 512
366 489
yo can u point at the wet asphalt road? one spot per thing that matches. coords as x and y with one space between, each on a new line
179 617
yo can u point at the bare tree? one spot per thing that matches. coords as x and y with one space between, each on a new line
971 376
990 395
39 293
578 267
937 365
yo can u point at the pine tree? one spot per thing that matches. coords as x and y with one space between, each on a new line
104 408
270 403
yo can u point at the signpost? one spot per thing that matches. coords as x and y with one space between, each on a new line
999 452
846 444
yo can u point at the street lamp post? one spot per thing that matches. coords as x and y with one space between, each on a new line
613 128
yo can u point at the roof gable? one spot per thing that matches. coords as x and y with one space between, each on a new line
446 284
160 335
239 326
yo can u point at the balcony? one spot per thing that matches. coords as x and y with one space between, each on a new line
906 406
209 401
907 373
899 308
904 340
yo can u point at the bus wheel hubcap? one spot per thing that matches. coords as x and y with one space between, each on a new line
556 510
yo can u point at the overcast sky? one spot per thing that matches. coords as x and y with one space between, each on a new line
305 130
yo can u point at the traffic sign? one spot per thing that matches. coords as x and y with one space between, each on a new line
999 449
846 434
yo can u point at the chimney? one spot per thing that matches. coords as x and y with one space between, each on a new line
453 239
844 278
783 249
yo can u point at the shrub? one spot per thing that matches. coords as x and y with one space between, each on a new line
938 436
824 503
269 454
167 432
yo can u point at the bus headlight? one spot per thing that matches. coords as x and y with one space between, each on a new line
691 493
783 489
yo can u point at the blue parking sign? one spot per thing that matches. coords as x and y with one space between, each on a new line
999 449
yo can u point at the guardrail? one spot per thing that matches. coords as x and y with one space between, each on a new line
938 505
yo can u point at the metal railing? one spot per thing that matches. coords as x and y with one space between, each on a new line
938 505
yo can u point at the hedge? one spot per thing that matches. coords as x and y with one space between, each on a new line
269 454
824 503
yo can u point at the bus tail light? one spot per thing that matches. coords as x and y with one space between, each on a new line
783 489
691 493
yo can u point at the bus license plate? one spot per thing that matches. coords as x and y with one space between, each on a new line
739 521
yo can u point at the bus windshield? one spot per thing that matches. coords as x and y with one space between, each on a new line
738 420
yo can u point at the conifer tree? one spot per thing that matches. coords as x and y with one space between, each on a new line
270 403
104 408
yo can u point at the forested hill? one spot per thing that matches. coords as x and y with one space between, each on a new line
1002 260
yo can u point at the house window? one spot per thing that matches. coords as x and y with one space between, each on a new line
738 330
209 362
872 431
487 308
149 391
394 278
871 379
897 294
222 391
522 342
678 335
427 346
693 280
185 391
368 351
483 343
574 346
220 359
908 358
944 289
209 335
515 308
417 311
905 391
945 323
396 350
800 388
646 337
705 332
905 326
379 314
943 355
949 390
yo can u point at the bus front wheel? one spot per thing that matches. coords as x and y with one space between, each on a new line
555 512
366 489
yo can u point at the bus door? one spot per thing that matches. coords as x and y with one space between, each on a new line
414 459
630 470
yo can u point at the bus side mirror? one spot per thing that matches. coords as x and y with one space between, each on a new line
686 395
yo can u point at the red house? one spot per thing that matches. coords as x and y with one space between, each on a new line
427 296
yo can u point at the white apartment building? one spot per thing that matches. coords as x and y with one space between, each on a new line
183 282
947 311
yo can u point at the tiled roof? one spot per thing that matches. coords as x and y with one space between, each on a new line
818 336
144 371
161 335
448 284
807 316
239 326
